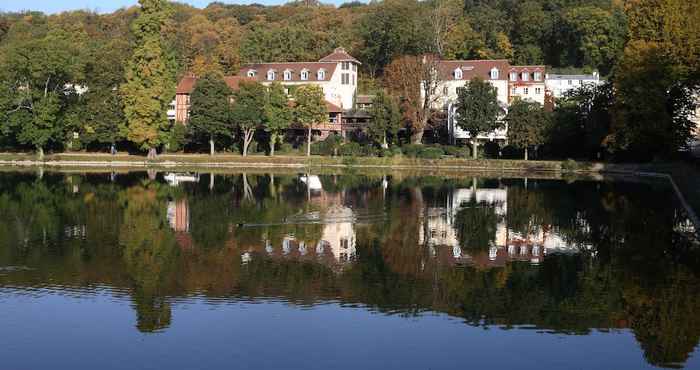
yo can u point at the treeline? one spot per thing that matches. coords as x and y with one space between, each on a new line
84 80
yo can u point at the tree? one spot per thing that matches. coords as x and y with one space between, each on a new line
596 37
211 110
39 76
528 123
149 85
249 110
310 109
386 118
278 114
415 80
478 110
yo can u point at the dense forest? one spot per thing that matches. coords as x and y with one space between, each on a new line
648 49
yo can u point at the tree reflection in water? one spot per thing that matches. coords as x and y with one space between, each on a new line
566 258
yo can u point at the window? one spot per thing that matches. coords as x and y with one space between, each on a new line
514 76
304 74
494 73
252 73
526 76
354 67
570 82
538 76
271 75
345 66
514 91
526 90
321 74
287 75
445 90
580 82
458 74
344 243
538 91
345 79
353 79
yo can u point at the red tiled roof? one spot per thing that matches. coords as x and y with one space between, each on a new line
261 70
531 69
186 84
473 68
339 55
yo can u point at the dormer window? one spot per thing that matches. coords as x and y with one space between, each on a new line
514 76
537 76
458 74
252 73
525 76
321 74
494 73
287 75
271 75
304 74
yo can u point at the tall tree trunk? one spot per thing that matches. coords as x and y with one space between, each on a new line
211 145
247 138
417 136
152 153
475 148
526 153
211 181
273 140
308 143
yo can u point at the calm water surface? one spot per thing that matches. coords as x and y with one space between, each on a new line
296 271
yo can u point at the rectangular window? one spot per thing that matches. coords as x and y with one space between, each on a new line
354 67
526 90
345 79
445 90
346 66
538 76
514 91
526 76
570 82
538 91
513 76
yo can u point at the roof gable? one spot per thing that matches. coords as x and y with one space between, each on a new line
339 55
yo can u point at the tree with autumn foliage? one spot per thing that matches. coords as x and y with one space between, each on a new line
415 80
150 84
309 109
278 114
249 110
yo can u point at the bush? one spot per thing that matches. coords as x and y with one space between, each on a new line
570 165
178 137
511 152
431 153
329 146
351 149
285 148
411 150
491 149
457 151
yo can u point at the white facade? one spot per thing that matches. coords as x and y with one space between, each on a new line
560 84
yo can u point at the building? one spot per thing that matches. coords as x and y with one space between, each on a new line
336 74
511 82
527 83
560 84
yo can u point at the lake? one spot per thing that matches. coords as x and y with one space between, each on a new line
285 270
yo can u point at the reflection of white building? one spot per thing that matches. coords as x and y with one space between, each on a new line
338 236
174 179
438 226
313 182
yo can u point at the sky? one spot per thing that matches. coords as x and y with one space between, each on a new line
106 6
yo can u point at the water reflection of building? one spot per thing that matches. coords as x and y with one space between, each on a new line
339 233
179 219
438 229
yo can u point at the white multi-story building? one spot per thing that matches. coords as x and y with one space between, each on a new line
335 73
527 83
560 84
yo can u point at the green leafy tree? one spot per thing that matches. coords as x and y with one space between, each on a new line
249 110
149 85
478 110
39 76
310 109
278 114
528 124
211 110
595 37
386 118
